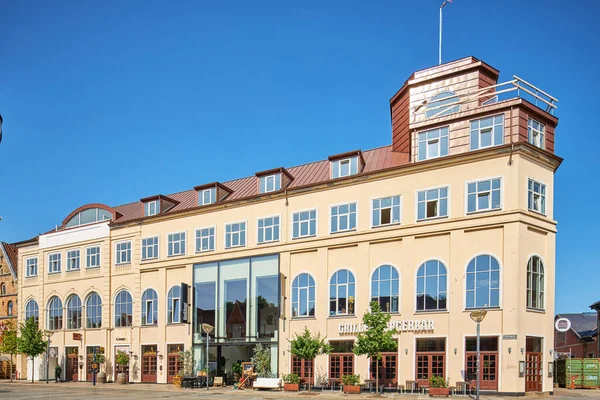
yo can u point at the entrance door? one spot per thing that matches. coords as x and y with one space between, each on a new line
388 369
489 362
533 372
149 364
118 368
174 364
430 359
72 364
305 369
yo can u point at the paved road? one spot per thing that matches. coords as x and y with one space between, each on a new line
40 390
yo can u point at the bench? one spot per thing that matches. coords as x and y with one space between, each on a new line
267 383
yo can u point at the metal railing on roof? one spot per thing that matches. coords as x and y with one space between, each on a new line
515 88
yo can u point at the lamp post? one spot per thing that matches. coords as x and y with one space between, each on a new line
478 316
208 329
47 335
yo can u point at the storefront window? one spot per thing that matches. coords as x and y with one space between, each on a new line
235 302
205 299
267 289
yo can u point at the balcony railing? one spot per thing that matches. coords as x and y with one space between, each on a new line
515 88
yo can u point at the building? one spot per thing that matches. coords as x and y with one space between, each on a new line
580 341
8 297
596 307
455 215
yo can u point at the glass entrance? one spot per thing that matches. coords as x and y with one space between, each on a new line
489 363
388 369
430 359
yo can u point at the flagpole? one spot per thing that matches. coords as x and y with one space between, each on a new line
440 46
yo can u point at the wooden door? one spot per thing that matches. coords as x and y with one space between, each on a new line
488 372
428 365
149 368
72 364
89 369
388 369
533 372
305 369
174 365
341 364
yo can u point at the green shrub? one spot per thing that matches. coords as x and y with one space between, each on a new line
291 378
437 382
351 380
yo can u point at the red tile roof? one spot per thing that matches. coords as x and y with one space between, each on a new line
304 175
13 256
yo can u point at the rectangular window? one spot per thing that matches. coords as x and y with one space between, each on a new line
432 203
92 257
235 235
487 132
343 217
32 266
484 195
207 196
123 253
73 260
270 183
535 133
176 244
268 229
386 211
561 336
150 248
304 224
536 200
344 167
54 263
205 239
151 208
433 144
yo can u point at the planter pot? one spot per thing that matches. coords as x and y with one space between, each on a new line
439 392
101 378
121 378
291 387
351 389
177 381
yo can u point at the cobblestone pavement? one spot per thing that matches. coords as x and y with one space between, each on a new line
81 390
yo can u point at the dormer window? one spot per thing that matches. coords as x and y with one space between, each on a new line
211 193
270 183
151 208
88 216
346 164
207 196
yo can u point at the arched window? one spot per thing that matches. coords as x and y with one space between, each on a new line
483 282
174 305
442 104
74 312
431 286
535 283
9 308
149 307
2 288
303 296
32 311
123 309
93 311
385 287
55 314
89 216
341 293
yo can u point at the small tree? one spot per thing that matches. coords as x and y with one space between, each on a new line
8 341
186 358
376 338
262 360
31 342
306 347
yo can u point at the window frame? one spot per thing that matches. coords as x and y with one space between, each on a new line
532 132
391 208
197 238
70 257
337 296
148 208
182 244
309 235
171 301
263 183
476 182
67 309
336 166
58 261
541 284
88 307
542 195
308 301
114 306
424 277
492 132
239 232
391 279
118 253
448 203
155 248
348 214
88 257
213 196
144 308
61 316
500 284
36 311
437 139
28 265
272 227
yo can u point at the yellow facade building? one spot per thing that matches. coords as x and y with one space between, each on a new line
455 215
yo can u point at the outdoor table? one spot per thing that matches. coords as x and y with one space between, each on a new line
370 383
188 383
412 385
332 382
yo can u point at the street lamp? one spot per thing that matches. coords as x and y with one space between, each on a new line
478 316
47 335
208 329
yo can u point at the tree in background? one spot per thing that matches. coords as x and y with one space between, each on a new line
8 341
31 342
376 338
306 347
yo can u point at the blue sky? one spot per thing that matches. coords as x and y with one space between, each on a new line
113 101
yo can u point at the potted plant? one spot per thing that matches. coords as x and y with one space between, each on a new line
122 360
291 382
351 384
237 370
101 378
438 387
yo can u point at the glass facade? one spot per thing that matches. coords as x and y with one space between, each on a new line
240 299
